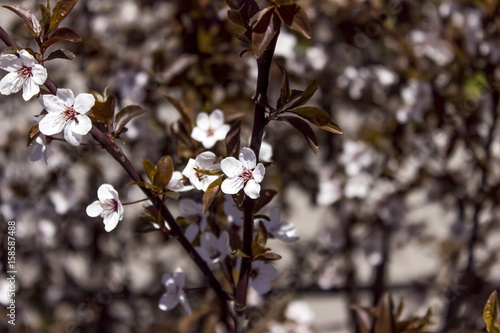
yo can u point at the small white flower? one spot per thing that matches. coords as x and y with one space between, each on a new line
284 231
300 312
108 207
261 276
24 72
65 112
210 129
213 249
176 183
175 293
245 173
204 161
194 212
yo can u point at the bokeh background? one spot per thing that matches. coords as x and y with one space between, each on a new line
405 201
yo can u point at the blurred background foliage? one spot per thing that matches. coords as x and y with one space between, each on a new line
405 201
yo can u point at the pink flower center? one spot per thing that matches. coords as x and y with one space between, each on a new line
199 175
110 205
69 113
210 131
246 174
26 72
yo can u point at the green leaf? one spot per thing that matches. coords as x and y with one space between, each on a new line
124 116
295 18
211 193
241 254
164 171
61 54
232 140
267 256
28 17
490 314
150 169
261 237
45 12
214 172
317 117
61 10
306 95
285 92
265 25
33 134
62 34
305 130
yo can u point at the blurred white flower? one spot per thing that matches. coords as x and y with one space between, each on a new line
317 57
204 161
24 72
358 186
299 312
284 231
330 188
176 183
243 173
108 207
212 249
175 293
356 156
210 129
65 112
41 149
261 276
266 152
234 215
193 211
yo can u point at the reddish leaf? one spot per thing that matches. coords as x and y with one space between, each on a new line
232 140
318 117
267 256
61 10
164 171
103 109
28 17
285 92
62 34
125 115
364 319
211 193
45 12
306 131
385 320
295 18
150 169
306 95
490 314
61 54
265 25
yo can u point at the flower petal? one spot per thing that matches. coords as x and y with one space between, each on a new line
111 221
30 89
252 189
248 158
184 302
10 62
70 135
205 160
94 209
83 125
66 96
259 172
202 121
11 83
198 134
168 302
83 103
216 119
107 192
39 74
52 104
26 58
221 132
51 124
231 167
232 185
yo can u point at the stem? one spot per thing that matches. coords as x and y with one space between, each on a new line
120 157
259 122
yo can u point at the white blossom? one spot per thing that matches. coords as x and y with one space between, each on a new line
41 150
284 231
176 183
204 161
65 112
300 312
24 72
210 128
108 207
175 294
243 173
212 249
261 276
